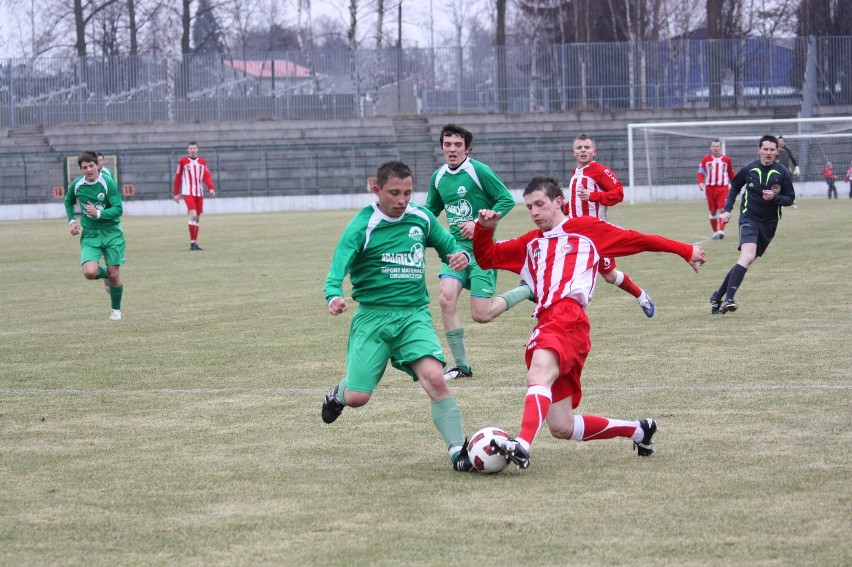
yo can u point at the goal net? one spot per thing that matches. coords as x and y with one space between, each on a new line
663 157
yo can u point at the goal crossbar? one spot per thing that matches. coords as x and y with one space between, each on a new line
682 129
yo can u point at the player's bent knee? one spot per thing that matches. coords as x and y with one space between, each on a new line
481 317
356 399
561 431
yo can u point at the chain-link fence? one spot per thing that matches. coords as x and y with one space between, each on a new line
329 84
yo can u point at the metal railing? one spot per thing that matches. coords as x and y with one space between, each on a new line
329 84
314 168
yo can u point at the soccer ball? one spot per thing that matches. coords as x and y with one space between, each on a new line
484 457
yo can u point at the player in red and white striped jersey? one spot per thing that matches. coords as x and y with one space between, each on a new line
560 262
192 172
593 188
715 173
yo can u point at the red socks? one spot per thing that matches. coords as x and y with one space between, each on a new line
624 282
591 427
193 231
536 406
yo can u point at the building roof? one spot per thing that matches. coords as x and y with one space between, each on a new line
268 68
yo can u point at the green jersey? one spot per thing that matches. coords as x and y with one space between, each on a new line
103 194
385 257
463 191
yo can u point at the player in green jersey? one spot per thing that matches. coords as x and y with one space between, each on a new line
383 251
100 217
461 187
104 169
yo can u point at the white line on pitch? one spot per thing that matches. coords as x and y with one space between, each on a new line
412 388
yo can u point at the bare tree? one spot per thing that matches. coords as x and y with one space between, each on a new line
107 30
36 28
84 12
500 41
242 20
132 29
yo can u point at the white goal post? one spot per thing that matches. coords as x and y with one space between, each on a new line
663 157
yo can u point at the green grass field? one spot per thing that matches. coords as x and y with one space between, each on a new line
189 433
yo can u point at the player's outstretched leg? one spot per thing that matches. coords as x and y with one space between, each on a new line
643 447
332 407
512 449
646 303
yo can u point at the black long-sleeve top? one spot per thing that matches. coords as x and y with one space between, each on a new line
756 177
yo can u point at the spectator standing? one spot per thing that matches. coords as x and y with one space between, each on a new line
830 178
849 179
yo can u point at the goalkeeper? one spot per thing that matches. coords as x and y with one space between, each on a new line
785 157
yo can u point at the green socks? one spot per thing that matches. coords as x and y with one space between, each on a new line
448 419
102 273
341 389
456 341
517 295
115 296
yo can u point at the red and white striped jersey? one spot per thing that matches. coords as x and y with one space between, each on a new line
716 171
605 190
191 173
562 263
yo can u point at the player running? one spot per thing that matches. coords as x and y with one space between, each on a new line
100 216
592 189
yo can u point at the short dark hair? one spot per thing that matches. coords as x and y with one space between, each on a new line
714 140
87 155
393 168
101 154
193 143
768 138
456 130
586 137
549 185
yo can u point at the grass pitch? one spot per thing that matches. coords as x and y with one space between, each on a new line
189 433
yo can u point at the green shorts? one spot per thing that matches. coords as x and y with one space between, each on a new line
106 242
481 283
378 335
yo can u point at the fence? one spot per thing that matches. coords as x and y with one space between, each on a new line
299 169
328 84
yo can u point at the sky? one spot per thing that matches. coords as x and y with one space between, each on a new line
423 21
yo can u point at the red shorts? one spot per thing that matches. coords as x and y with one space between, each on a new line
716 195
564 329
194 203
606 265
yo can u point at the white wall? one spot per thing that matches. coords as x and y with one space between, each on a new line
168 207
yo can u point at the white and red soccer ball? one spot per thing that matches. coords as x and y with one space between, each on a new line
483 455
